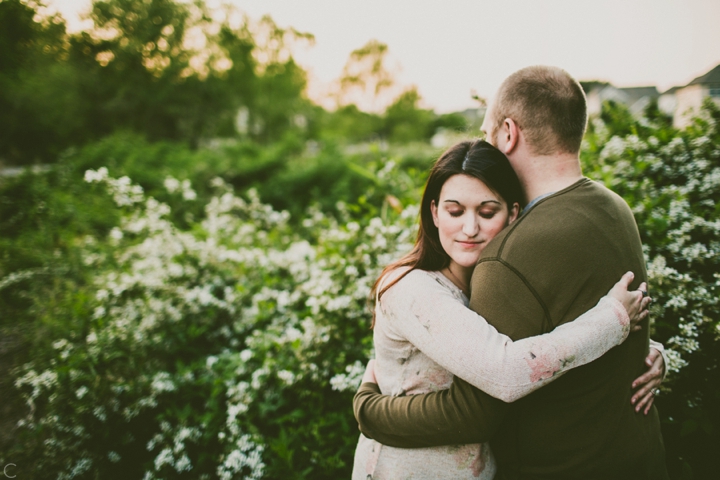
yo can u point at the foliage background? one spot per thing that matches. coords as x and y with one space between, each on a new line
186 256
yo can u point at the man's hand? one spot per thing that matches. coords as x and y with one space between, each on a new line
369 376
648 382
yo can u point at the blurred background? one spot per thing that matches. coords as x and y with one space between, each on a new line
195 198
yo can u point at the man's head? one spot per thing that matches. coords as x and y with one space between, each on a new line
546 104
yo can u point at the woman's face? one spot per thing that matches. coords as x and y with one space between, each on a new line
468 215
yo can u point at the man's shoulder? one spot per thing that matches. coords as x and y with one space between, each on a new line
581 202
563 219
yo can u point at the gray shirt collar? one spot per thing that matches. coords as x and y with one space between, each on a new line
534 201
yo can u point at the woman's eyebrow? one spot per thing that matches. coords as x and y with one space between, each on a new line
449 200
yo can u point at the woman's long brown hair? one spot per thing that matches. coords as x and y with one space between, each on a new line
477 159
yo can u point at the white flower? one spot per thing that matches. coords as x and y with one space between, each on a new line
161 382
171 184
116 234
350 380
183 464
99 413
286 376
187 192
165 457
675 361
98 175
210 361
80 392
613 148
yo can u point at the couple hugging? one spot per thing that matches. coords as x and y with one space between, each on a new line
498 327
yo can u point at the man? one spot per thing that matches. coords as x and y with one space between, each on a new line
573 241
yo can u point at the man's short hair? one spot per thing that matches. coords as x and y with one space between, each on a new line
548 105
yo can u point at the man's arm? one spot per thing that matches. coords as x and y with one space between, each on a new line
462 414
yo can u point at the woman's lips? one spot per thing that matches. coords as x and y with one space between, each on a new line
468 244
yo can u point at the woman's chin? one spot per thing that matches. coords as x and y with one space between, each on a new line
467 261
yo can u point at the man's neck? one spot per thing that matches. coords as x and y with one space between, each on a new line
541 175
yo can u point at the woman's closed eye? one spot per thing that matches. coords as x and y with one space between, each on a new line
484 214
488 213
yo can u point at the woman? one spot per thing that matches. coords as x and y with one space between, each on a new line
472 193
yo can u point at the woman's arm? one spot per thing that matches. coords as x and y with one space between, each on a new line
425 313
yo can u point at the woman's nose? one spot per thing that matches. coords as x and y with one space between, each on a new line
471 226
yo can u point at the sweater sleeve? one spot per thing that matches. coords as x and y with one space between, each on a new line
661 348
421 310
463 413
460 415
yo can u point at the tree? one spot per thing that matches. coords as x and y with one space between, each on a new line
166 69
276 100
40 107
405 121
367 79
153 67
179 71
670 178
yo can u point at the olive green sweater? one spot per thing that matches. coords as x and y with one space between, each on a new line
547 268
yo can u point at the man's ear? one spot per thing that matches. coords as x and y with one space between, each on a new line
511 134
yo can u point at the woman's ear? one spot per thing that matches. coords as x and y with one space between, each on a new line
514 212
434 211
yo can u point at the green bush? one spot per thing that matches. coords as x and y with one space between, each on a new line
61 235
177 329
671 179
230 349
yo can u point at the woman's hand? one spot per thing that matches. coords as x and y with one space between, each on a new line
635 302
369 375
648 382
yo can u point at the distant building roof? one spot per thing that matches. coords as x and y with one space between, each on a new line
473 114
671 91
590 85
636 93
713 76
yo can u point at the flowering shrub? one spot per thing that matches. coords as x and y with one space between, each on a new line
209 335
671 180
228 351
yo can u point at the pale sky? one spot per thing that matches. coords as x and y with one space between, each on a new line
450 47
